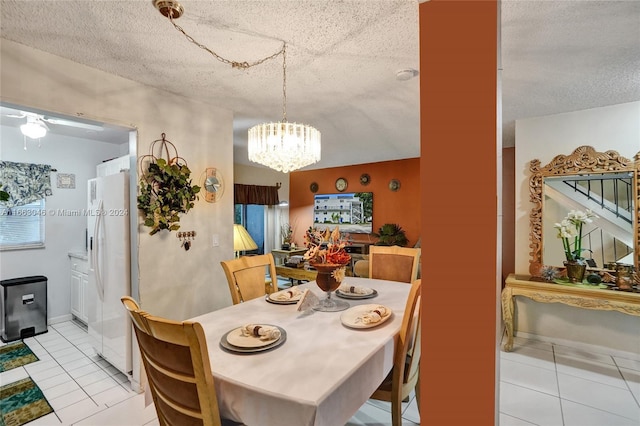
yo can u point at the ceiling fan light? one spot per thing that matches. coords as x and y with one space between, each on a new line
284 146
33 130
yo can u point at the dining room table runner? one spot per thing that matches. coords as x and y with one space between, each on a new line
320 376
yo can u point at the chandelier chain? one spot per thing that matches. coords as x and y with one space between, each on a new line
281 146
284 82
234 64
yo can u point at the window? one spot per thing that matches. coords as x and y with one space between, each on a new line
251 216
22 227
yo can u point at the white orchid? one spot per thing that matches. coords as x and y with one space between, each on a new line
571 228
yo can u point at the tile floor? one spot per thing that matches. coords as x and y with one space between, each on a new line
549 384
541 384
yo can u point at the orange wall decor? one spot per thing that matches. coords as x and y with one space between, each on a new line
401 207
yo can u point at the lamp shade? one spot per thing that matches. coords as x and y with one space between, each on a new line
242 241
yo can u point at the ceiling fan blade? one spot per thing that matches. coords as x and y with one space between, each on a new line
42 123
77 124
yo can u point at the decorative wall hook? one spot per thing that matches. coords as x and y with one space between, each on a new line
186 237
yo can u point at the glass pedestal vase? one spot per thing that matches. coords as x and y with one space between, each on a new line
575 270
328 279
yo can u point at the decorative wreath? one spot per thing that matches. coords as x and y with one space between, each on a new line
165 189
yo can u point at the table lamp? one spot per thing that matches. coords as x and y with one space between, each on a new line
242 241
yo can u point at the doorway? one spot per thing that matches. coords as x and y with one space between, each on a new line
74 148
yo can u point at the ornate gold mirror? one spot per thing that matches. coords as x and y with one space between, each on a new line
604 182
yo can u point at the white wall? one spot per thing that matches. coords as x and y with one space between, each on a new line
174 283
615 127
62 233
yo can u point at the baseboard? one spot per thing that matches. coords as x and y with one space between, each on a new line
61 318
580 345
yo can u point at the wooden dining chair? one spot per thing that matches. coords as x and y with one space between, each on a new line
176 361
394 263
247 277
405 375
361 268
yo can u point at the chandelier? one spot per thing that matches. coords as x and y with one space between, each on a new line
281 146
284 146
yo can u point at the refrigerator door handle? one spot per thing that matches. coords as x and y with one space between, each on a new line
96 252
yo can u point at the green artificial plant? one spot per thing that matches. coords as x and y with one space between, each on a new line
391 234
166 191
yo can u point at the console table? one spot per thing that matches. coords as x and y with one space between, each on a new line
587 298
279 256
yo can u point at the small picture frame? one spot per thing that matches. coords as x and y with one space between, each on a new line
66 180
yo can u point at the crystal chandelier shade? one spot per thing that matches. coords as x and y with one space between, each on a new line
284 146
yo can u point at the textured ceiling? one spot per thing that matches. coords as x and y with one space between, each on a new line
342 60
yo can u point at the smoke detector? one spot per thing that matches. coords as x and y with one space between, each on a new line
406 74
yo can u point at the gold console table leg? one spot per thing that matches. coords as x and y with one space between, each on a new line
507 317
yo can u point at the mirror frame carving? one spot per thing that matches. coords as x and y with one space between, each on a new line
584 159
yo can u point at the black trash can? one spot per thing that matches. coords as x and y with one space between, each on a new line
24 307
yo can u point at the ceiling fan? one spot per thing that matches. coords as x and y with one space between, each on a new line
36 125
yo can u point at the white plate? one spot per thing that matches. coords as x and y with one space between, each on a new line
235 338
356 296
274 344
291 301
350 316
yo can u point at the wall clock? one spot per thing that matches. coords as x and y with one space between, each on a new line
341 184
314 187
213 185
365 179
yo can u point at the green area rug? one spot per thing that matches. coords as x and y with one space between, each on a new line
15 355
22 402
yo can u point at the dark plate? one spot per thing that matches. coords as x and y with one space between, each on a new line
224 344
356 296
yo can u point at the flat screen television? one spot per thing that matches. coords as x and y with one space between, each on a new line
351 211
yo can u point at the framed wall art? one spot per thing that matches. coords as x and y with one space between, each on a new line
66 181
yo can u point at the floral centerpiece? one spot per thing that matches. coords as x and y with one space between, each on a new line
326 247
570 232
326 253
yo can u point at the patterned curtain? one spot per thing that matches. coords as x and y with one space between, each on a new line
24 182
255 194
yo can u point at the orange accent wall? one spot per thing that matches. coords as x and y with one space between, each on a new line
460 297
401 207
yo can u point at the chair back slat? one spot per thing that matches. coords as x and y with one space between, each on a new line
176 360
247 275
394 263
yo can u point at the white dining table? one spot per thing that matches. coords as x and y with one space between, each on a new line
323 372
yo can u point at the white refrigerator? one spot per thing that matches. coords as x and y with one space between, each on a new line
109 325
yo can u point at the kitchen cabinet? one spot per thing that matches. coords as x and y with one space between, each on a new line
79 284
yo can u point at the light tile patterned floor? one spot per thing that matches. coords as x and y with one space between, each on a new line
540 384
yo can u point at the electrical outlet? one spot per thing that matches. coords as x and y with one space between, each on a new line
215 240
